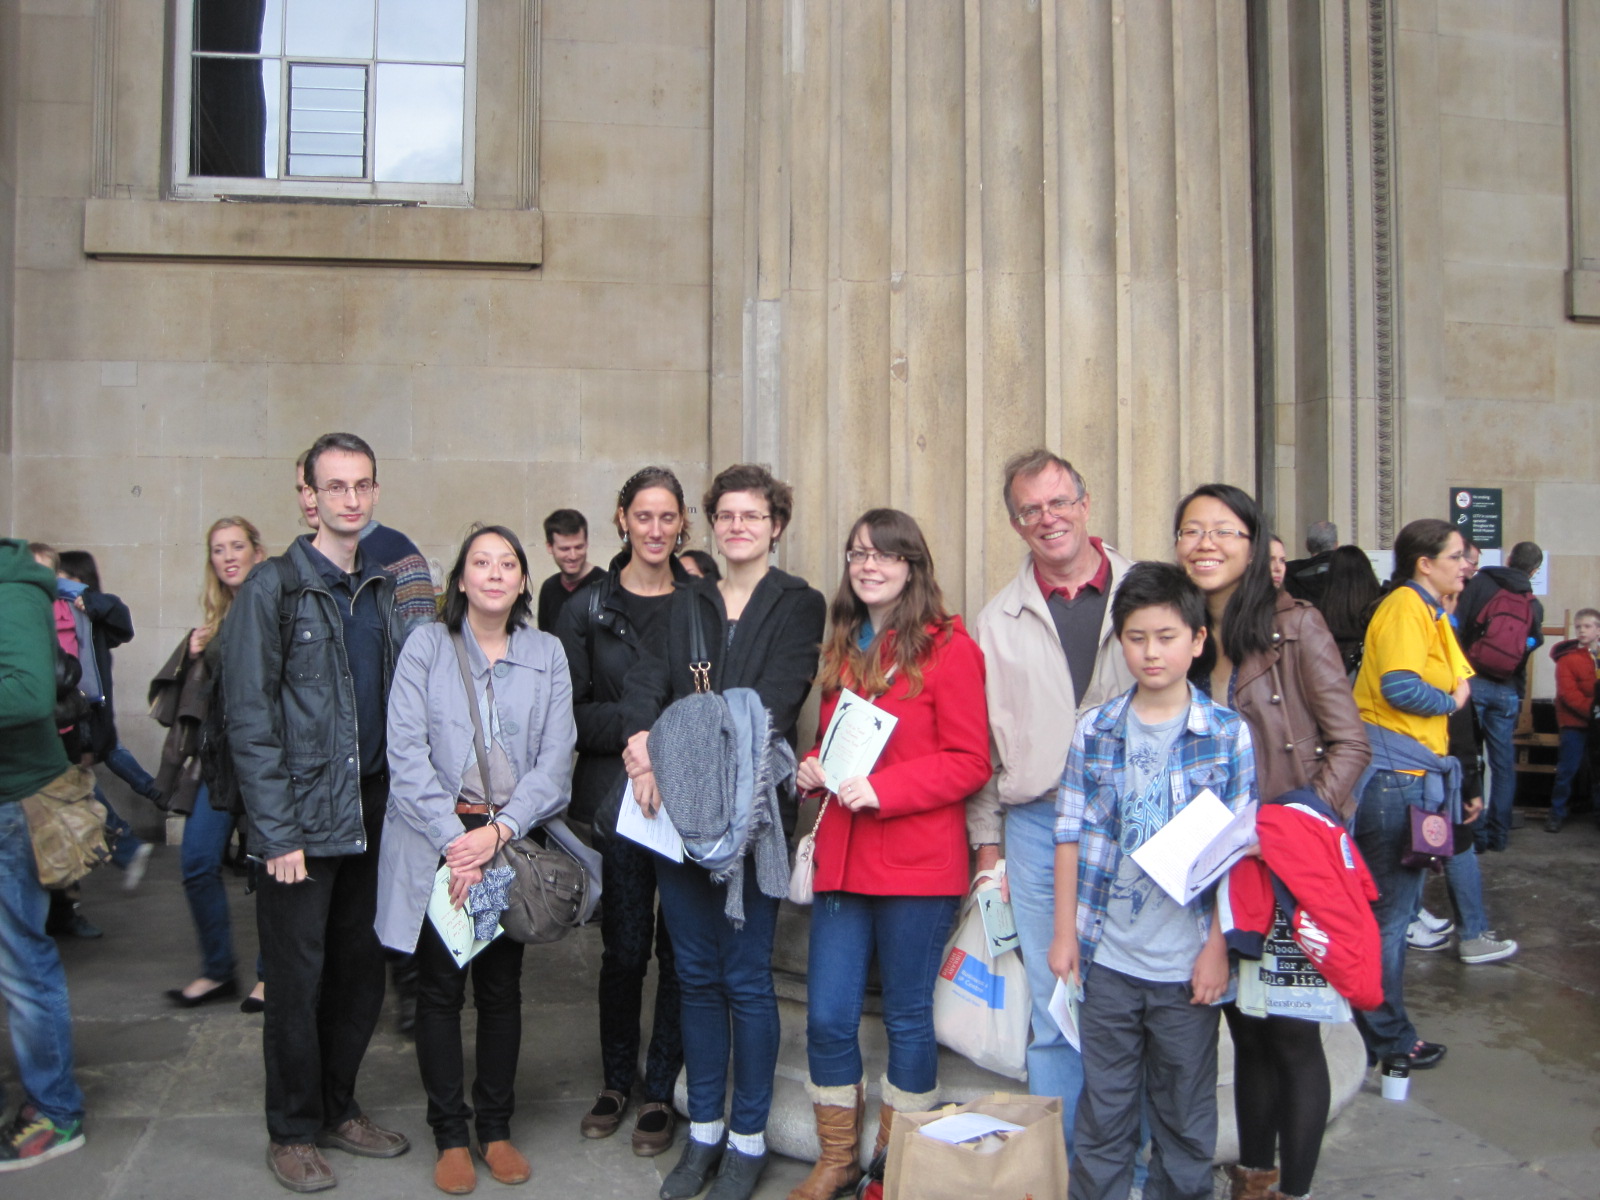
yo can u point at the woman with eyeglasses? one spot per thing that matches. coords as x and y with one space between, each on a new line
605 631
891 846
1271 658
1413 676
758 628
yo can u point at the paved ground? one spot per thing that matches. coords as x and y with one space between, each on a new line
174 1097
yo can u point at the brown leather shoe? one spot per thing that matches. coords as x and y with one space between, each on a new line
453 1173
360 1136
506 1162
299 1167
653 1130
604 1116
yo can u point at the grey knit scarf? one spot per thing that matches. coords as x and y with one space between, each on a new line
719 765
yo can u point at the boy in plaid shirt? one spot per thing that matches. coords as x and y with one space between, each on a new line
1148 1021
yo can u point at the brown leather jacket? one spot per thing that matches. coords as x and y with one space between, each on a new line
1302 716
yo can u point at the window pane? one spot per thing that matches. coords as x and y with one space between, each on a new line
238 26
311 164
327 120
330 28
233 124
422 30
417 134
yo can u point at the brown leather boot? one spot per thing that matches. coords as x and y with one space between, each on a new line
839 1111
1248 1184
885 1120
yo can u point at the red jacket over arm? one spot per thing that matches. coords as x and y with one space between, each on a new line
915 844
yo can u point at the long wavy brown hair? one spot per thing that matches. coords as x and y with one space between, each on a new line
844 663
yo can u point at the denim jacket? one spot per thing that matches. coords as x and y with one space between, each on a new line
431 744
1212 751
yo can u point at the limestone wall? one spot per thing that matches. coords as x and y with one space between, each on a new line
1500 386
154 395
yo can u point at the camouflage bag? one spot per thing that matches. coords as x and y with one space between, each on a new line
68 828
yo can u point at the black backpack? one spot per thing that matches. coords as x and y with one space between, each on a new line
216 759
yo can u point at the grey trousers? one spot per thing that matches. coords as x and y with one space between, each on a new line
1145 1037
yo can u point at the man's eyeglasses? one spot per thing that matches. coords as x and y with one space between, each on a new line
881 557
1059 507
364 488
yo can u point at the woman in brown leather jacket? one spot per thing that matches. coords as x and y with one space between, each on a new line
1271 658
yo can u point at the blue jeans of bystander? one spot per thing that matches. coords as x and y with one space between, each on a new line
1383 834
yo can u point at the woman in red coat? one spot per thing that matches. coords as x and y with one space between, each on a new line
891 854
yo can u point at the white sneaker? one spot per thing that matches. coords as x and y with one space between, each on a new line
1420 937
133 874
1435 924
1487 949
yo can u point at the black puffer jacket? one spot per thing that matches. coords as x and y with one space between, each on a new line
292 717
775 649
602 645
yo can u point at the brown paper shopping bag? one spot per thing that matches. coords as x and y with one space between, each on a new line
1031 1165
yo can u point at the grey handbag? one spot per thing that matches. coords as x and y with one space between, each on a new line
555 888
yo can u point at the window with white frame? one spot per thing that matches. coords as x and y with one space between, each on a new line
356 99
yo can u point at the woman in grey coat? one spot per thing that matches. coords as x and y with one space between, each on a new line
441 814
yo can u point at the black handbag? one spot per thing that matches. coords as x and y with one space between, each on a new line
550 893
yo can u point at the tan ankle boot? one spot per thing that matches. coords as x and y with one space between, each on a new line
839 1111
1248 1184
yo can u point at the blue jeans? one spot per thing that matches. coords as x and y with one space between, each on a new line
726 979
126 768
1497 705
1383 834
1569 761
205 837
907 933
1054 1067
124 842
1466 893
32 982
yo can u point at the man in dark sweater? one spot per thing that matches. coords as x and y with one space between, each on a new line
49 1121
566 536
1499 701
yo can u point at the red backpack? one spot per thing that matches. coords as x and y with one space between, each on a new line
1502 629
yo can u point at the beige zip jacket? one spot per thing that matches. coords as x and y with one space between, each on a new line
1032 709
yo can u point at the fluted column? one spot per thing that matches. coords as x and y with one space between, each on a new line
978 225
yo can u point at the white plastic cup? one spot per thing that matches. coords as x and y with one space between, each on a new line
1396 1079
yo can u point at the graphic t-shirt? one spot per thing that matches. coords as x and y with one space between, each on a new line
1148 934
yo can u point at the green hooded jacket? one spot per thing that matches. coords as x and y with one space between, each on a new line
30 749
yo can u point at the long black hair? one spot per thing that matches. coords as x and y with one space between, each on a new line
1247 620
1351 590
455 600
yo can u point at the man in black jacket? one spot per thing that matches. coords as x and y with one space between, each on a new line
1499 701
308 653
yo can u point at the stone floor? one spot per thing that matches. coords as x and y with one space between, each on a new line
174 1097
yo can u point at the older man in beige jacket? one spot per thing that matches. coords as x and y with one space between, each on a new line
1050 655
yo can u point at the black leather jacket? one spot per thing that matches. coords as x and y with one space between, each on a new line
292 715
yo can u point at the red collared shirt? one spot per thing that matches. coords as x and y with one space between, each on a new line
1100 581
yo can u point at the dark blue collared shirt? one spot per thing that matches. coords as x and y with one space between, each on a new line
356 597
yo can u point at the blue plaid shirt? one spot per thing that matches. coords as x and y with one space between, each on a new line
1212 751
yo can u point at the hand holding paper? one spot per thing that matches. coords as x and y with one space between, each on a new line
856 735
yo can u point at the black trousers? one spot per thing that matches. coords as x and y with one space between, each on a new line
325 965
497 996
629 922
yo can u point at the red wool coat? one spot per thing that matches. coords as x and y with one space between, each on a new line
915 843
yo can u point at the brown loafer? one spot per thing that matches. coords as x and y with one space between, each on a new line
653 1129
506 1162
453 1173
299 1167
360 1136
605 1116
